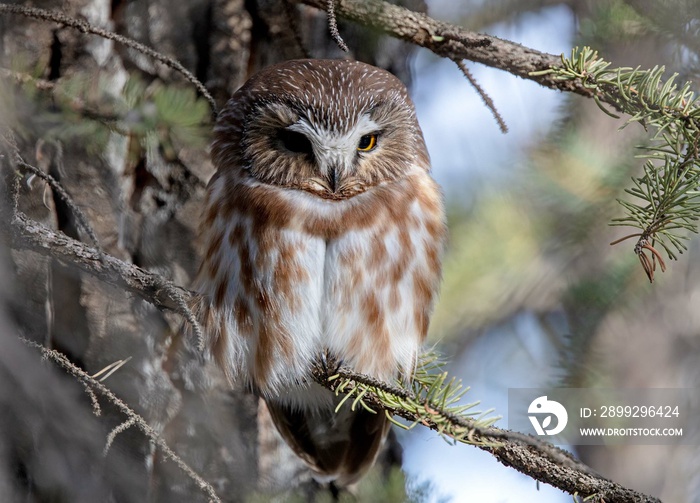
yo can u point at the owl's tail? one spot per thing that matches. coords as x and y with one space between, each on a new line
339 447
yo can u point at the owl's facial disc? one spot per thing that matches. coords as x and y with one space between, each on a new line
332 128
334 152
335 155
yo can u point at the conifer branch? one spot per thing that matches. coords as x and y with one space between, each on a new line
432 399
666 197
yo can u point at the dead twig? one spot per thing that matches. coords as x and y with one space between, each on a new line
28 234
484 96
333 26
133 419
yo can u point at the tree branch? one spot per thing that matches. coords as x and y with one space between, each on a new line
92 385
531 456
453 42
27 234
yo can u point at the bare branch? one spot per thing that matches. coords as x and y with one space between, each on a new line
484 96
28 234
134 419
453 42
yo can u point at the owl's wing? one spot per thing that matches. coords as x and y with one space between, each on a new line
338 446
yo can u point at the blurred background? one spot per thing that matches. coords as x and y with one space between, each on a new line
533 294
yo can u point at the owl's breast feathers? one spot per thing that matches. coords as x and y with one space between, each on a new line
290 275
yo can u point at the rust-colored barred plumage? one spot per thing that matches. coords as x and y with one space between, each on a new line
323 232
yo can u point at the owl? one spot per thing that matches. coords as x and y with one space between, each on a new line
323 234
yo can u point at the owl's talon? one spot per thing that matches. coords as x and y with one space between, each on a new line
330 363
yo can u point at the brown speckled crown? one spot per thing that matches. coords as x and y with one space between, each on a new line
330 94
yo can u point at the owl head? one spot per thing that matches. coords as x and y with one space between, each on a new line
333 128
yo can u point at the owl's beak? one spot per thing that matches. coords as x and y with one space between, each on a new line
332 178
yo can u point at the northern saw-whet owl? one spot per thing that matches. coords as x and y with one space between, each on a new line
323 233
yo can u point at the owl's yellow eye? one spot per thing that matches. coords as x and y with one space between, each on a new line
367 142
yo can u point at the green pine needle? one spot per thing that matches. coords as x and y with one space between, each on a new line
432 398
665 205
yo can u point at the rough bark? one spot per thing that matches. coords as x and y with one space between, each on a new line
142 199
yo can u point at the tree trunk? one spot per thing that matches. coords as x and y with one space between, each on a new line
140 188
